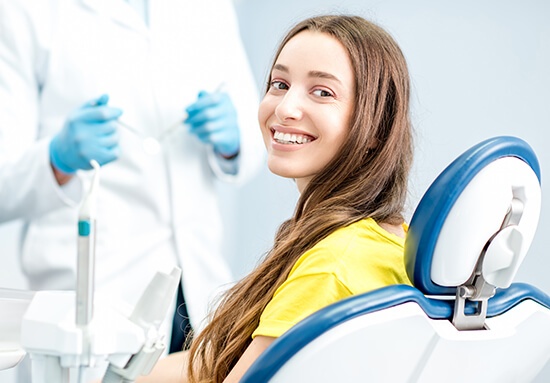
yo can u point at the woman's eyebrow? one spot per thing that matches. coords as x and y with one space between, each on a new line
320 74
280 67
313 73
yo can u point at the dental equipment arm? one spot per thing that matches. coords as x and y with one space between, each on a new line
86 253
86 263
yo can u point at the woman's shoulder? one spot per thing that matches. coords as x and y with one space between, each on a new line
366 230
349 243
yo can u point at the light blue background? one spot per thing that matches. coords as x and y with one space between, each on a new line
479 69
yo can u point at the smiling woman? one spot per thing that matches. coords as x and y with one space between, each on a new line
305 114
335 117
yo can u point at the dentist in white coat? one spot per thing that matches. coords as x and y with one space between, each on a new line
69 71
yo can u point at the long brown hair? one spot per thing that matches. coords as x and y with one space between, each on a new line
367 178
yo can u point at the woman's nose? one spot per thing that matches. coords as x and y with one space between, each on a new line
290 106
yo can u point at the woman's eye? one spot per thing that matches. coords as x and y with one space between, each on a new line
279 85
322 93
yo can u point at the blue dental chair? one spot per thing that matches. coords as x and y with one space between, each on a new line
464 320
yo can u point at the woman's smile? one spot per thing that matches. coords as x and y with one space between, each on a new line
285 139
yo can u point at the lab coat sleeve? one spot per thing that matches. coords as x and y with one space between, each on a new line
224 169
27 184
241 86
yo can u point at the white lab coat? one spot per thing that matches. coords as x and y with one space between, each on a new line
154 211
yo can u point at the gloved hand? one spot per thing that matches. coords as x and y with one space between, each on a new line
88 134
213 119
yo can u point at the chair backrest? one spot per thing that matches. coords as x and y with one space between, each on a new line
463 319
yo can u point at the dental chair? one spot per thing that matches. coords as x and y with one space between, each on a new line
463 320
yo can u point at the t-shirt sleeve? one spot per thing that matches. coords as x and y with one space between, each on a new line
297 298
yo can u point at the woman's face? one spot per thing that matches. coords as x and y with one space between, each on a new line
306 113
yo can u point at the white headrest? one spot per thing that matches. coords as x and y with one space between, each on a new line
478 215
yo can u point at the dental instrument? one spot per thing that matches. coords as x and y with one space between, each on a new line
151 144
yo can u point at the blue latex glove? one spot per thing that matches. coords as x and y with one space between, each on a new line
88 134
213 119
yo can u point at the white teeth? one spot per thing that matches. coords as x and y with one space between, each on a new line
287 138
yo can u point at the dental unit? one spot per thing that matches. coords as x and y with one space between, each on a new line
67 333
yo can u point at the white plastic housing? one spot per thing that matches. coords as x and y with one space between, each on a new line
13 304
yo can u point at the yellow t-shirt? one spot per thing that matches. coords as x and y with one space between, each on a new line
352 260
